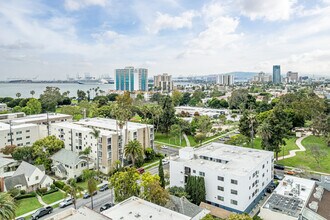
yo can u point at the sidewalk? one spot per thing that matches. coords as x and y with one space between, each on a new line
187 140
292 153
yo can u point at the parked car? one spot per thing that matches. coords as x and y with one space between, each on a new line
42 212
104 187
221 139
106 206
297 170
164 147
165 161
278 177
279 167
290 172
87 195
315 179
140 170
66 202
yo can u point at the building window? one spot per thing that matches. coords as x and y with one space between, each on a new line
263 166
221 178
221 188
18 139
27 137
234 192
234 202
27 131
201 173
234 181
194 171
37 177
221 198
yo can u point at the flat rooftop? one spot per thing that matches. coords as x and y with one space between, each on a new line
109 124
82 213
323 205
137 209
40 117
227 158
290 196
80 127
5 126
199 109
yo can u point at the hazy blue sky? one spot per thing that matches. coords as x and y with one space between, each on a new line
53 38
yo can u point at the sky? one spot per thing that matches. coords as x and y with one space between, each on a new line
52 39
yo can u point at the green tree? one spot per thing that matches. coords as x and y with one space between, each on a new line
177 191
161 173
50 98
86 152
34 105
176 132
81 95
176 97
32 92
125 184
96 134
73 189
186 98
239 217
7 206
112 97
152 190
195 188
89 176
23 153
18 95
248 126
133 150
199 137
168 114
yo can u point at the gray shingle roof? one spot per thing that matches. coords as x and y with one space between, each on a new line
183 206
5 161
13 181
66 157
26 169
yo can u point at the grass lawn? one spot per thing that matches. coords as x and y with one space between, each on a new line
84 184
27 205
169 140
53 197
305 159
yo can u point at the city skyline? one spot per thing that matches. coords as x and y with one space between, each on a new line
51 40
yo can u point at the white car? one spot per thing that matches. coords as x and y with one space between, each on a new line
164 147
297 170
165 161
66 202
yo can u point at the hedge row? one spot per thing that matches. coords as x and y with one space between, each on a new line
28 195
48 192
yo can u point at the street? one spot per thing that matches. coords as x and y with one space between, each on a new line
100 199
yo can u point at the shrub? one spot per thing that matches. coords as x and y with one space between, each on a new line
59 184
79 179
14 192
53 186
27 195
22 192
66 188
42 190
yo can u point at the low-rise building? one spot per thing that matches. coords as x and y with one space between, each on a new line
163 83
135 208
18 134
28 177
297 199
235 177
213 113
10 116
67 164
3 107
7 166
83 213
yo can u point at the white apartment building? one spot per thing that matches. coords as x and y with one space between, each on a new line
77 137
10 116
163 82
3 107
19 135
225 79
235 177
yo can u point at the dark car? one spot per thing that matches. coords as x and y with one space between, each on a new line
104 187
42 212
315 179
106 206
87 195
279 167
140 170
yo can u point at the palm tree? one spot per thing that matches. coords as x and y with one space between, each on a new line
18 95
89 176
32 92
73 189
86 153
7 207
96 134
252 122
133 150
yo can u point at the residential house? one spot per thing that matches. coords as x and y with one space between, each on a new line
68 164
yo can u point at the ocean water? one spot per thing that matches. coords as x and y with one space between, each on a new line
10 89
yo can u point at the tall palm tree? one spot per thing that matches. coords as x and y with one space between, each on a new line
32 92
252 123
133 150
86 153
7 207
18 95
73 189
96 134
89 176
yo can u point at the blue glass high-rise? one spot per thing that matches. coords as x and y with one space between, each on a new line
276 74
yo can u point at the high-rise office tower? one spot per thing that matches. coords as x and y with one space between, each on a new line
225 79
131 79
163 82
276 74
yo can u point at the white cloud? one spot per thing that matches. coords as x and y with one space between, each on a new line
166 21
74 5
271 10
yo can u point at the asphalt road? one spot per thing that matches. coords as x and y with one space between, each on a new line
100 199
168 151
154 170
